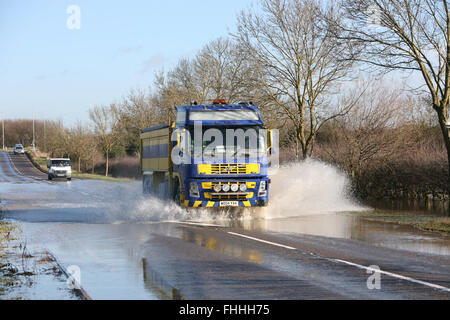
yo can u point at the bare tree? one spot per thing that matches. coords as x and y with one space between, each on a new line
303 62
222 70
79 136
105 120
136 112
372 134
408 35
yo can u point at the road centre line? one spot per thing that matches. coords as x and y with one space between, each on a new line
394 275
198 224
264 241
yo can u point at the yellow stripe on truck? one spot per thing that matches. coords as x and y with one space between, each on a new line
210 204
197 203
206 185
247 204
228 169
204 168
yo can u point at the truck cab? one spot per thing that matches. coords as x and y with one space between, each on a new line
59 168
217 156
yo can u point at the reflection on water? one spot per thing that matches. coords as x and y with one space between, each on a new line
214 244
350 226
158 285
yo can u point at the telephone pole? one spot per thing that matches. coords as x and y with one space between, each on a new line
3 132
34 149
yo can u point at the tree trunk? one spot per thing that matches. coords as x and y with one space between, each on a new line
107 164
446 135
79 164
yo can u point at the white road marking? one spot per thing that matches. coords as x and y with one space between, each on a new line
264 241
20 173
198 224
15 168
394 275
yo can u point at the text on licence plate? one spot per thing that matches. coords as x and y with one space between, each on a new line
229 203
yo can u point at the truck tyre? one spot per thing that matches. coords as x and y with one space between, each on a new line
177 193
147 184
69 179
49 177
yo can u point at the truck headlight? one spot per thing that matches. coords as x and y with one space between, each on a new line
262 189
217 188
193 189
234 187
226 187
243 187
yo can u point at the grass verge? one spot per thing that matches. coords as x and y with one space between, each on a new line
41 161
6 277
421 222
79 175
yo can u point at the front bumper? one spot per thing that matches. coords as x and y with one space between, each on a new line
208 198
217 204
61 175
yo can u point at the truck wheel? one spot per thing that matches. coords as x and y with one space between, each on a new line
49 177
147 184
177 193
69 179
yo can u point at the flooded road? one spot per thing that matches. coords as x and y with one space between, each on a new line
128 246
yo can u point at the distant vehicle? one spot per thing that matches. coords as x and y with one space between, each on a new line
59 168
18 149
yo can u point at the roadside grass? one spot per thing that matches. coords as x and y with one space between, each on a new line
421 222
5 230
80 175
41 160
6 278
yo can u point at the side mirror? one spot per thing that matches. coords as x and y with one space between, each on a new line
272 141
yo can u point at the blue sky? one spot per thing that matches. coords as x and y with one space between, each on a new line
61 73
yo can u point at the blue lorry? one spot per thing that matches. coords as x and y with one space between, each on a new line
186 160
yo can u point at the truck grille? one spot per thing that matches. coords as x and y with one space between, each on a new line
216 197
228 169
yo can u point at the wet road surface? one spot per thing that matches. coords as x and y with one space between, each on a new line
131 247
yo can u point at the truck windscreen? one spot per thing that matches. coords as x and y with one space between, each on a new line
246 141
223 115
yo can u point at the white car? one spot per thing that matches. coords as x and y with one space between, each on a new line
59 168
18 149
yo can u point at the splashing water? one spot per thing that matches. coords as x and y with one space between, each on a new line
300 188
309 187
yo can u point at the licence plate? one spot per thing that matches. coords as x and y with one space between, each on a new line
229 203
